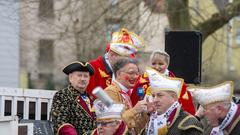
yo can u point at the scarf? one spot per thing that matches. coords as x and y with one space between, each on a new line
125 93
219 129
159 121
166 73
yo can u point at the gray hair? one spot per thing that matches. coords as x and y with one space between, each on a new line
225 104
120 63
160 52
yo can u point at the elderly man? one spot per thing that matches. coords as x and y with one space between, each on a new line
169 118
219 109
109 121
71 108
127 72
122 44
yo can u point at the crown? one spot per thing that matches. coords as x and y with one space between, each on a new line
125 42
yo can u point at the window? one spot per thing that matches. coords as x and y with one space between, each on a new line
20 109
44 111
46 63
8 108
46 59
238 36
46 9
32 108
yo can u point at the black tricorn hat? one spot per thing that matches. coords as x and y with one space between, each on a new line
78 66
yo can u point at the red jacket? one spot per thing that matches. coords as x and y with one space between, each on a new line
102 74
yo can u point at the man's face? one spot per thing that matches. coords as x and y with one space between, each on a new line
79 80
113 57
212 112
128 75
159 63
162 101
108 128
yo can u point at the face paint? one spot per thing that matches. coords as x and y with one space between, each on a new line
126 77
129 76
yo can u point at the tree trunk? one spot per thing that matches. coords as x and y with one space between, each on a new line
178 14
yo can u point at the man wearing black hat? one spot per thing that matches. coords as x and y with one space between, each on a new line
71 108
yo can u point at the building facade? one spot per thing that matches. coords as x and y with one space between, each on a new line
54 33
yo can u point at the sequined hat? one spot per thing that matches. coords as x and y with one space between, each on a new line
126 43
159 82
208 95
105 113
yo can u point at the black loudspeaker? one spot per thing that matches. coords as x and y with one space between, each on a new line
185 50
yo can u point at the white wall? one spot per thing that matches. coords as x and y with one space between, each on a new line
9 43
9 125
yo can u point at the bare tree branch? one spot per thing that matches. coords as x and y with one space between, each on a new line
219 19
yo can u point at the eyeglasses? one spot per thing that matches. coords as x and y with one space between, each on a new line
132 73
104 123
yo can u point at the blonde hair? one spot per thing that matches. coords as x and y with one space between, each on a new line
160 52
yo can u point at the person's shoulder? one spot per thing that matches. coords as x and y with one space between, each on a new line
61 95
111 88
97 60
235 129
63 91
190 122
236 99
171 74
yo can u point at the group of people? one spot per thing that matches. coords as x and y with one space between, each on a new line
149 101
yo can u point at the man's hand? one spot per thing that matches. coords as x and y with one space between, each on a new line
141 106
150 105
